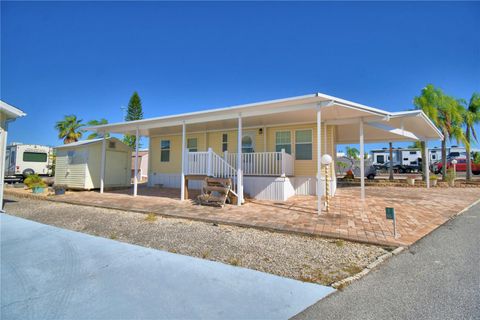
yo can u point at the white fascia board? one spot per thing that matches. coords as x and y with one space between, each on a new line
348 103
396 131
11 111
237 108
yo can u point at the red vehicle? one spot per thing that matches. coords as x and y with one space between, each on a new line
460 166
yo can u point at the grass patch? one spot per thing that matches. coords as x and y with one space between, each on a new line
151 217
205 254
339 243
113 236
234 261
318 276
352 269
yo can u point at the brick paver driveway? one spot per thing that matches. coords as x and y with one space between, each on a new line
418 210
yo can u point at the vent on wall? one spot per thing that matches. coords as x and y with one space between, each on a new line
111 144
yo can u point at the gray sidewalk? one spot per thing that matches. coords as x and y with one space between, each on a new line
51 273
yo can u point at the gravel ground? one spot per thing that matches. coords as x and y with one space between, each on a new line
305 258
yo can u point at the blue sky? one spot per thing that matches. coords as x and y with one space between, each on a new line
87 58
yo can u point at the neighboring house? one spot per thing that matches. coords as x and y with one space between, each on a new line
79 164
142 165
8 113
271 149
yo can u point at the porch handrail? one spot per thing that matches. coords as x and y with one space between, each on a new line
264 163
210 164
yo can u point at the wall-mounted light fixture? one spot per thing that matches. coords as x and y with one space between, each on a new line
260 131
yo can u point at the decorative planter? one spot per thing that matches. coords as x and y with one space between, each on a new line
451 183
433 182
410 181
38 190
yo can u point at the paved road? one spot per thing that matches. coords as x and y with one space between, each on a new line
438 278
51 273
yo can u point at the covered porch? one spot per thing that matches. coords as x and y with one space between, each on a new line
324 122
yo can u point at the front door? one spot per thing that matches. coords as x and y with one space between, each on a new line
248 142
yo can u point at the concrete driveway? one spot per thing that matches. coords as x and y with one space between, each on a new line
51 273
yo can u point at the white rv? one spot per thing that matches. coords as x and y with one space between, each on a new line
23 160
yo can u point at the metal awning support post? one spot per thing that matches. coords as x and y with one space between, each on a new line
135 178
427 165
102 163
3 148
362 163
319 160
239 162
182 179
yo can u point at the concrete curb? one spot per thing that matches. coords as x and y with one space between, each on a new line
340 284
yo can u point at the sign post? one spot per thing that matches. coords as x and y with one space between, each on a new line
390 213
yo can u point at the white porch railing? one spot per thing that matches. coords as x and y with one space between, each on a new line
263 163
210 164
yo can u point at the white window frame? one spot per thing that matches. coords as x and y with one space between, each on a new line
169 149
295 143
291 140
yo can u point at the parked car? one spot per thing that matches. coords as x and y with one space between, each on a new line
460 166
399 168
344 164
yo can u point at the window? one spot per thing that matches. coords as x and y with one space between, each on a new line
413 152
192 145
224 142
303 145
434 156
283 141
406 159
111 144
381 159
34 157
165 151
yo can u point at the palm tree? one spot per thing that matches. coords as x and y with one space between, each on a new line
472 117
428 101
69 129
95 135
451 120
446 113
352 153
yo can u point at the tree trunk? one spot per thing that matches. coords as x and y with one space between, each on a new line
469 159
424 160
390 165
444 157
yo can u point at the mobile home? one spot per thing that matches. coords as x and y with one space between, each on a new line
271 150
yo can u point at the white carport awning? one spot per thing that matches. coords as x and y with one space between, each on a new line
380 125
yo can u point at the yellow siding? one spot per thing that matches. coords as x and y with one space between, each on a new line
72 175
214 141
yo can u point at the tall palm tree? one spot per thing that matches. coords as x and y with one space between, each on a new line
95 135
472 117
69 129
451 120
428 101
446 113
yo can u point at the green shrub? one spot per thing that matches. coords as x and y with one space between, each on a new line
433 177
34 181
450 176
476 158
